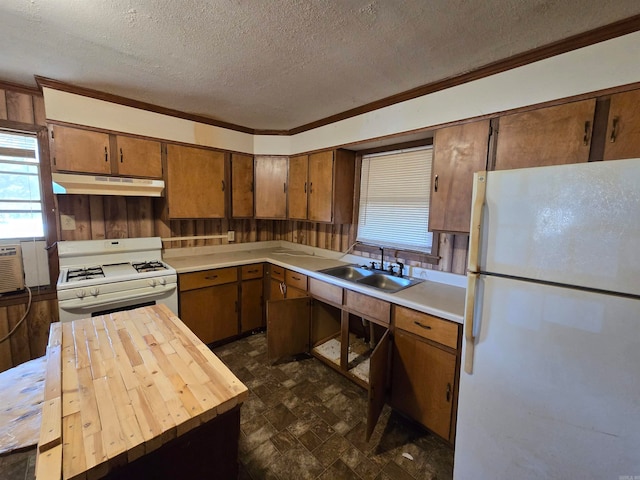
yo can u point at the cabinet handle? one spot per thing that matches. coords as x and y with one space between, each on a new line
106 155
252 271
296 278
311 187
223 185
305 187
236 306
251 187
121 156
435 184
587 133
211 277
448 392
284 187
614 129
426 327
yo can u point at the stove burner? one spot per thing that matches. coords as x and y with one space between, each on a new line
77 274
151 266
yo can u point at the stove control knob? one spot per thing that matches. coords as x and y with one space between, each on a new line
94 292
152 283
80 294
163 281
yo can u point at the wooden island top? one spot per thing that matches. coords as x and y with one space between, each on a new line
121 386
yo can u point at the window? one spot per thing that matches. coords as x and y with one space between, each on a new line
394 199
20 194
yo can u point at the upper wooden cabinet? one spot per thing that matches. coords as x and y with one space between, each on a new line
242 185
321 186
195 182
271 187
458 152
623 131
546 136
87 151
298 187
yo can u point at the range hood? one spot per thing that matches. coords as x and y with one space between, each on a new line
101 185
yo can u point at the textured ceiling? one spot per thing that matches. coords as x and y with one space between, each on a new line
270 64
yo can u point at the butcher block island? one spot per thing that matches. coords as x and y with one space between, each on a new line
136 394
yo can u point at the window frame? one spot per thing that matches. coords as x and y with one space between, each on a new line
49 206
432 258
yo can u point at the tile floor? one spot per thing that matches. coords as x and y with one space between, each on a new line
303 420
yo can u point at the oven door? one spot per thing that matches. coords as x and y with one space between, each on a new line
92 305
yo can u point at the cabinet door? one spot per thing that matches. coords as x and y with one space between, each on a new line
271 187
298 176
623 130
321 186
241 185
287 327
422 382
195 182
458 152
137 157
212 312
82 151
547 136
251 313
378 366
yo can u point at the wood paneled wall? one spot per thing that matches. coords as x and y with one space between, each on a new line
23 106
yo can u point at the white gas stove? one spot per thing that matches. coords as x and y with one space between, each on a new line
104 276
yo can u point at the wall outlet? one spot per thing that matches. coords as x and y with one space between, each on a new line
231 235
67 222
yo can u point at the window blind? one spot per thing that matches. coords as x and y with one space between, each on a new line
394 199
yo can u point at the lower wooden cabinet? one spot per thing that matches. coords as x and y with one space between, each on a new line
251 298
424 371
209 303
286 283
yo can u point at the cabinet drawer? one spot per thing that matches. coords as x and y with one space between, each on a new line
252 271
207 278
368 306
296 280
325 291
277 273
433 328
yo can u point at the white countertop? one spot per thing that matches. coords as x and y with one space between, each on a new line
441 294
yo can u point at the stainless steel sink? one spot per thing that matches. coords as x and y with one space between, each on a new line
371 278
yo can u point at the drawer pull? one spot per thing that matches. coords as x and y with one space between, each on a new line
211 277
426 327
252 271
448 392
296 278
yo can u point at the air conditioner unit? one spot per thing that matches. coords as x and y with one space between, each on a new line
11 269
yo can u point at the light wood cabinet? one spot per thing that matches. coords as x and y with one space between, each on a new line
271 187
251 298
623 129
87 151
242 186
424 370
547 136
209 303
196 186
321 186
458 152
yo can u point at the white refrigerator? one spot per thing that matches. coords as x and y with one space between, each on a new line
550 378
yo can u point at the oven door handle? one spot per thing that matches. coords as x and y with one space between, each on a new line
84 303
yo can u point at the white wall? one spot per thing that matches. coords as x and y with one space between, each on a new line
596 67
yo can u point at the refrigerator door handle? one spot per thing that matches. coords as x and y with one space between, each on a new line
477 202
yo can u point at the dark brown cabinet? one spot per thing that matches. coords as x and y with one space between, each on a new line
547 136
271 187
196 186
242 186
623 129
87 151
251 297
458 152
